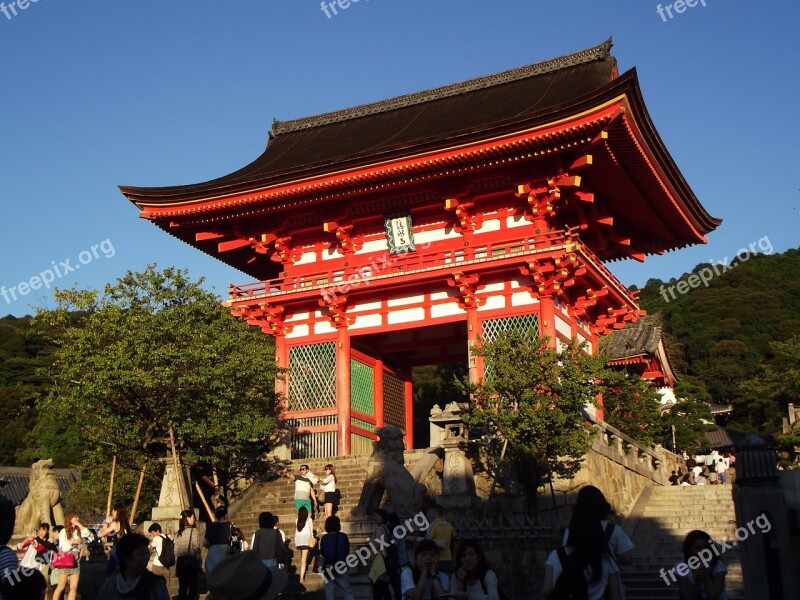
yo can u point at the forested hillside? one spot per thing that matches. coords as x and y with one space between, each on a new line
720 335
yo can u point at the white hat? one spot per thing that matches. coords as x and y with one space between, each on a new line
243 575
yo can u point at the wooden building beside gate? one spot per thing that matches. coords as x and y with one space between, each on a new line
394 234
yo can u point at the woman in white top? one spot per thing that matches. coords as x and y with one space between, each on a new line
474 579
329 489
586 553
69 540
303 533
707 581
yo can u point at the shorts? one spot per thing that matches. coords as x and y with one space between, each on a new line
298 502
331 497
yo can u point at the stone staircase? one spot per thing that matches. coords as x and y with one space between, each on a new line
277 497
671 512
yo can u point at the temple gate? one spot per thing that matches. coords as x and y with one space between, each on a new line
397 233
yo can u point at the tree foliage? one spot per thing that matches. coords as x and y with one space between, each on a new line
631 405
156 350
533 397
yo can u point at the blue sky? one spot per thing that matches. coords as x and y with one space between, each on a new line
100 93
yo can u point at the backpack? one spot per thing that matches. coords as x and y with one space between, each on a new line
571 584
500 594
167 556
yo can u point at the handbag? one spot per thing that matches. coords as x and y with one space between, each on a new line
64 560
312 542
378 567
29 560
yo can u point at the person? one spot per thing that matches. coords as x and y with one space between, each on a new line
304 531
713 476
674 479
304 489
425 581
620 546
8 559
334 548
329 489
267 542
132 579
381 539
722 471
42 546
243 575
187 556
474 580
52 582
707 581
157 549
701 478
23 584
402 553
586 553
114 527
69 540
441 532
219 536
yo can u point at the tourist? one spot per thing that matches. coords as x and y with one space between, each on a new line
586 553
425 581
334 547
620 546
473 578
707 581
304 489
304 531
382 538
114 527
267 542
133 580
402 553
8 559
43 548
219 538
722 470
244 576
23 584
441 532
329 489
157 549
701 478
674 479
187 557
69 541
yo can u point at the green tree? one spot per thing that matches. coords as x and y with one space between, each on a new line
765 397
152 351
691 420
533 398
631 405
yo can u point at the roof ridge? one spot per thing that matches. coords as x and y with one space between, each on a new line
598 52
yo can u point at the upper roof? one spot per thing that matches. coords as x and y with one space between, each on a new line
635 339
311 144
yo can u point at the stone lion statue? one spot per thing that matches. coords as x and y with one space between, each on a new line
386 472
43 503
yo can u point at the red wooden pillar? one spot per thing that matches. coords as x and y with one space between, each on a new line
343 389
282 361
408 388
547 317
476 363
377 392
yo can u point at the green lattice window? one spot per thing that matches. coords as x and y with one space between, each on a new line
493 327
394 400
362 424
312 376
522 323
361 387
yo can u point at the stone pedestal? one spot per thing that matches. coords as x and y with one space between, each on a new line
168 511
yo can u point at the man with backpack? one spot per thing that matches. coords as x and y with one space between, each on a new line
163 550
